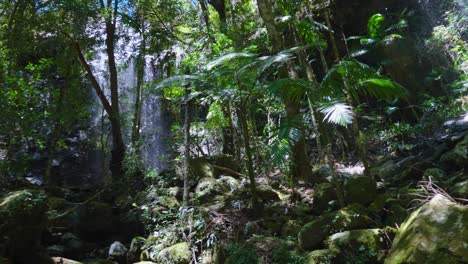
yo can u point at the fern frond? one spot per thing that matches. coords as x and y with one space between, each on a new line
337 113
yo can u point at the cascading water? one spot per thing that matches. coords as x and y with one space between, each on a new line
153 130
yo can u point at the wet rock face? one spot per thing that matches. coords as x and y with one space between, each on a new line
22 221
436 231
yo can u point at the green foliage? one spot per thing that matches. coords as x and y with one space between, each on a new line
375 26
361 79
283 255
215 118
241 254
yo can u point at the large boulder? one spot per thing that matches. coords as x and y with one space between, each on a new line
351 217
207 188
118 252
457 158
362 190
319 256
436 232
176 254
364 244
23 219
200 168
460 189
324 193
266 193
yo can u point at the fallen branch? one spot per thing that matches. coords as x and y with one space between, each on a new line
229 171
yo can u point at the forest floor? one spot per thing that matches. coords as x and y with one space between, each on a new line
304 224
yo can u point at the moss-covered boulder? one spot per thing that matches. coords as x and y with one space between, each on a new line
436 232
267 194
460 189
23 219
324 193
176 254
207 188
362 190
291 228
351 217
200 168
361 244
320 256
456 158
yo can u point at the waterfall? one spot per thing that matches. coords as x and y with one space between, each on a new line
152 129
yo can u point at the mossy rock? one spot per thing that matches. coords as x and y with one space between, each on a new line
457 158
436 231
324 193
231 183
395 214
176 254
267 194
224 161
291 228
320 256
354 245
23 219
207 188
351 217
362 190
200 168
460 190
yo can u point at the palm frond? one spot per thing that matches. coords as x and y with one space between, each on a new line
228 58
382 88
266 62
179 80
280 151
293 89
337 113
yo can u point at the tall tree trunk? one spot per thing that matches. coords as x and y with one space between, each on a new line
140 69
118 148
112 107
185 165
228 131
243 116
300 161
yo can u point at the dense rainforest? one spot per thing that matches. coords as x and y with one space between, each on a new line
233 131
